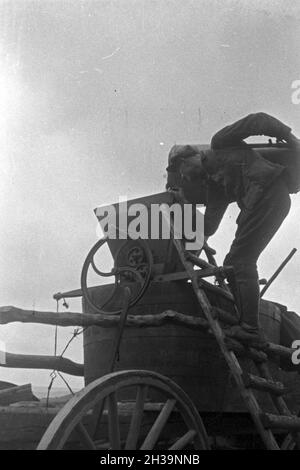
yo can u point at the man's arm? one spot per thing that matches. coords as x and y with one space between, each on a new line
253 124
216 206
212 218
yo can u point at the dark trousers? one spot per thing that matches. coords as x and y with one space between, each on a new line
256 227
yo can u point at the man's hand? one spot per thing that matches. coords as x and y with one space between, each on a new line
207 248
292 141
178 195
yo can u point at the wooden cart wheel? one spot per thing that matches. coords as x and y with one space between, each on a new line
133 264
174 408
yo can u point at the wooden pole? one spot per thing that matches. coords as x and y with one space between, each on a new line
14 314
24 361
278 271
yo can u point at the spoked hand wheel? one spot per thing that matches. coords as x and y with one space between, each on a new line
132 267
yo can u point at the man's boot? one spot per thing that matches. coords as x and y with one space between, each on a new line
246 294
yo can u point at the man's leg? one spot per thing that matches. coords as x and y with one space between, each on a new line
245 288
256 228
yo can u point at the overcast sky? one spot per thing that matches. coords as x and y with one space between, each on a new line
92 97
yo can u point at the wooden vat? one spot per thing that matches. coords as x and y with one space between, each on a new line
189 356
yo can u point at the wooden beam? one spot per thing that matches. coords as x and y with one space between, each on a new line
240 350
168 277
260 383
22 427
278 271
291 423
278 350
24 361
14 314
16 394
65 319
216 289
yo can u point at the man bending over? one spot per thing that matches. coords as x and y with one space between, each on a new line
232 171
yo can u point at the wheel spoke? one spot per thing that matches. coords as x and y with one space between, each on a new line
158 425
128 269
136 419
101 273
102 445
113 422
97 416
85 438
184 440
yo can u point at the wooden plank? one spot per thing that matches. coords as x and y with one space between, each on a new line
158 425
23 427
17 394
28 409
136 420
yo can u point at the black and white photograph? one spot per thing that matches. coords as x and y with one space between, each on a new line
150 237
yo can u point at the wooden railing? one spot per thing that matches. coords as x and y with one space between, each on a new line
13 314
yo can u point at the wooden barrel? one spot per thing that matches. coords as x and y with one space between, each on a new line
188 356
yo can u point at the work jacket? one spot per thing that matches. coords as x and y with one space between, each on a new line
232 170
